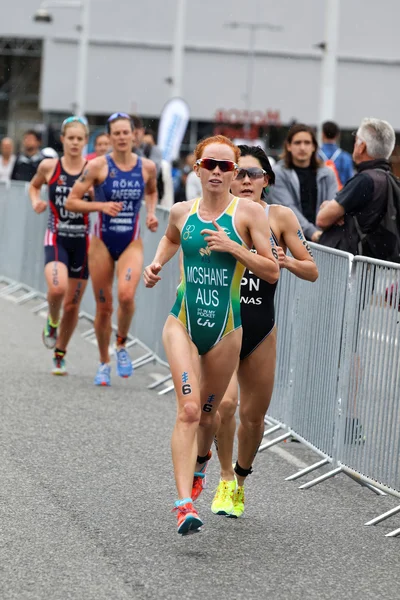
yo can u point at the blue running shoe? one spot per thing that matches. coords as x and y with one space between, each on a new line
124 363
103 375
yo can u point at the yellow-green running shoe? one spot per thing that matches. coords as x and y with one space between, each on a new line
223 499
49 335
238 502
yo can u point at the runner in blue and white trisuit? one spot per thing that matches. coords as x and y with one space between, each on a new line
121 180
66 241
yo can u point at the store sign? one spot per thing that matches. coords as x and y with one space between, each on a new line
255 117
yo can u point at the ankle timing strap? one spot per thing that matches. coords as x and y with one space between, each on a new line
202 459
242 472
121 340
60 352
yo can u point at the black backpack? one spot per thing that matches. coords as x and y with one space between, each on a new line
382 241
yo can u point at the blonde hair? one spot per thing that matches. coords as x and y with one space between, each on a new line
74 120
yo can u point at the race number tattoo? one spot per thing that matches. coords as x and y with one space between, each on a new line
186 387
207 407
55 275
275 253
300 235
82 178
102 298
128 275
303 240
77 294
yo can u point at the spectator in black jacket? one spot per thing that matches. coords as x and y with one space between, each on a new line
365 195
29 158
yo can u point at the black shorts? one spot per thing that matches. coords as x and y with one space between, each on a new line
72 253
257 325
257 311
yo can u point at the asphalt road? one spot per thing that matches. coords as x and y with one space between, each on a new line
86 492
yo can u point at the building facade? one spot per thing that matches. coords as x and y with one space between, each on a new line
130 62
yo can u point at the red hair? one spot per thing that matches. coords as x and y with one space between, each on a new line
216 139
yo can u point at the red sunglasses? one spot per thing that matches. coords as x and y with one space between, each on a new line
211 163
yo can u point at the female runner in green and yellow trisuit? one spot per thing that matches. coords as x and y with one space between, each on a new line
216 232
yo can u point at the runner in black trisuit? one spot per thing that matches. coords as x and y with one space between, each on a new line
256 369
66 242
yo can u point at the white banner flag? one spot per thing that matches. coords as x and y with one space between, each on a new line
173 123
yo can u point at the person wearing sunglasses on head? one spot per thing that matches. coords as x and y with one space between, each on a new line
66 240
121 179
202 335
256 368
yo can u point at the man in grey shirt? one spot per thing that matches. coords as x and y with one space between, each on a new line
7 159
302 182
193 184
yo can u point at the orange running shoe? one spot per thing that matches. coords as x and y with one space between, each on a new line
188 518
199 479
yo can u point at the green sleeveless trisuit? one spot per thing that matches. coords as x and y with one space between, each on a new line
208 298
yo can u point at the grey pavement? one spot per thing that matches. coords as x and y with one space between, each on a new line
86 493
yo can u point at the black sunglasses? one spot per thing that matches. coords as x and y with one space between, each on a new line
211 163
252 173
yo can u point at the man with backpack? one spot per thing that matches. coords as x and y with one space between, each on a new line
333 156
364 218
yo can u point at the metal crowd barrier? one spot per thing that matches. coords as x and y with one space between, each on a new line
21 237
22 268
337 376
370 427
310 322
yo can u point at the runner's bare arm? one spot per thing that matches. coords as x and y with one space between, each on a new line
181 263
167 248
39 179
302 263
264 264
150 195
86 181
